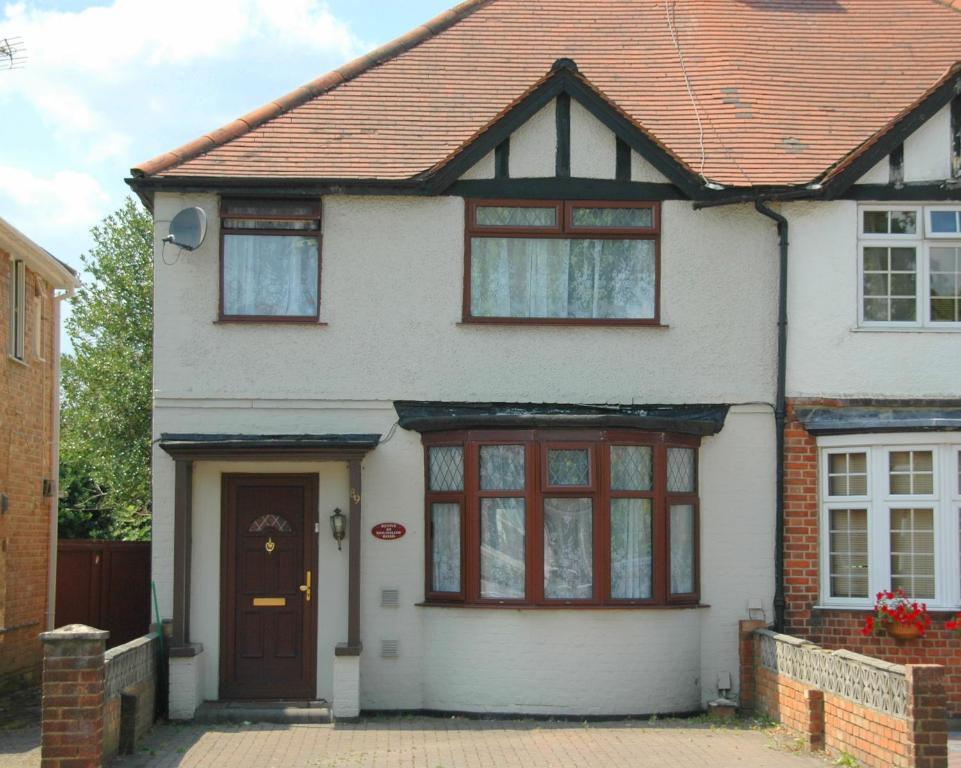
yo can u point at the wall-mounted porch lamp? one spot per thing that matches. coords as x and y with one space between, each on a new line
338 526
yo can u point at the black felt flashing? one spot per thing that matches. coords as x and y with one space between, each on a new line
437 417
201 441
841 420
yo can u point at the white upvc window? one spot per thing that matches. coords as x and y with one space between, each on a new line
909 267
18 308
890 517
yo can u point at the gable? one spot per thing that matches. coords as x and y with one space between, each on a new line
926 155
566 139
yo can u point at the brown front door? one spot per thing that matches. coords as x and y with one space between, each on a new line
269 642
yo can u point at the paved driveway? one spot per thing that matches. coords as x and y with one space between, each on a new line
461 743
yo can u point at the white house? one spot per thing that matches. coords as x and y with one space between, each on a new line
502 299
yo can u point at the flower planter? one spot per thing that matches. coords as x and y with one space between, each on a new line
902 631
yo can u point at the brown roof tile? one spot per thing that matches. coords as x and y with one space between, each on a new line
786 89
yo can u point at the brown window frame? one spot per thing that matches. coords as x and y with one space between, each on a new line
315 214
564 229
537 442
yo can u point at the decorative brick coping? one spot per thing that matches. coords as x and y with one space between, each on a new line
884 715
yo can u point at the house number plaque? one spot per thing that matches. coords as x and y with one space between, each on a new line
388 531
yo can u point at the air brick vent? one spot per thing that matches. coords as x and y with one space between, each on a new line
389 597
389 649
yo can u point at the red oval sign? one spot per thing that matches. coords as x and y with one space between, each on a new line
388 531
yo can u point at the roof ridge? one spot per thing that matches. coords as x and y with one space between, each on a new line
314 88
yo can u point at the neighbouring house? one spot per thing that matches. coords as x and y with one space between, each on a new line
505 302
32 284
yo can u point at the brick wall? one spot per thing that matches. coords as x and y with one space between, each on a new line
26 411
95 702
893 717
841 628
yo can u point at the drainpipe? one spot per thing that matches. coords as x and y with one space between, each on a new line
55 465
779 408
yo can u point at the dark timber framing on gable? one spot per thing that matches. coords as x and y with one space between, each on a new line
562 118
956 137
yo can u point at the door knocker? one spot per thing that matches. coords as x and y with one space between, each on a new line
269 546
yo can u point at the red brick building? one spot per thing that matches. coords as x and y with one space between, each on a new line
32 282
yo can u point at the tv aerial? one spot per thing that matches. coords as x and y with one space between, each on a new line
12 53
188 229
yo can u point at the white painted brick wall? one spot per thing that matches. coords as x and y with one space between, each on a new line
186 694
346 686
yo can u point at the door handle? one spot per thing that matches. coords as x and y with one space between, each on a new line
305 588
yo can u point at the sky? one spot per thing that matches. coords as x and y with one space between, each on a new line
107 85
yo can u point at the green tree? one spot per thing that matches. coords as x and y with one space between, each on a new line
105 424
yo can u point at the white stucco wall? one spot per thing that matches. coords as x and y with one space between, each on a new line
828 355
642 170
392 277
593 146
392 299
534 146
927 151
879 174
482 169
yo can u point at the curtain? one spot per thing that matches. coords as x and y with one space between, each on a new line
445 547
568 557
682 549
551 277
631 549
502 548
270 275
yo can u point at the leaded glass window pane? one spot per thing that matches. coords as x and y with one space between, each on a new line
911 473
680 470
560 278
912 552
682 549
502 552
445 547
847 474
270 522
520 216
631 467
631 566
568 466
849 552
568 549
620 218
502 467
447 468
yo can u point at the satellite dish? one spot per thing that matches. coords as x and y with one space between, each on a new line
188 229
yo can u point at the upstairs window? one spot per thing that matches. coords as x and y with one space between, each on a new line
270 260
910 265
562 262
18 308
534 517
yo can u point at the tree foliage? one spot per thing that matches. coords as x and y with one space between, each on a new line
106 399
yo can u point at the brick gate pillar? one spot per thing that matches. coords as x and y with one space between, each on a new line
73 697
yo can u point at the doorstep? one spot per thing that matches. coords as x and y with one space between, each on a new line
284 712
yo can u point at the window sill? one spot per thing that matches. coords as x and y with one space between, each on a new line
935 611
570 607
905 329
541 322
268 321
18 361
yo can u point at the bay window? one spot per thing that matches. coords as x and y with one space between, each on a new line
891 506
551 518
562 262
270 260
910 267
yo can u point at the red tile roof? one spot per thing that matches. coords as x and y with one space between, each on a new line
785 89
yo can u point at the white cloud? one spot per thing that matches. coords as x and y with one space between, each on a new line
61 203
78 60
